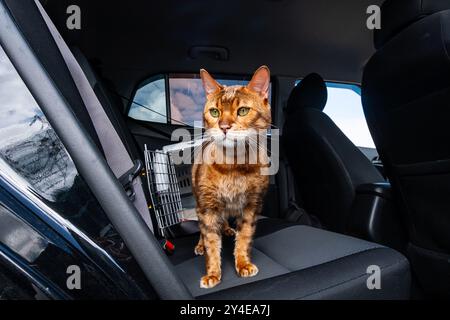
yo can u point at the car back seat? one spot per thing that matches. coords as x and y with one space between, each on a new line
271 251
295 261
327 166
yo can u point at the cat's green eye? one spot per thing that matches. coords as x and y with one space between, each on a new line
214 112
243 111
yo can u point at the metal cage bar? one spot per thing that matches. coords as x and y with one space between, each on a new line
164 189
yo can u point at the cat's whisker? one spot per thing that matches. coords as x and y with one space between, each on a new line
263 149
202 145
199 135
252 149
255 141
259 146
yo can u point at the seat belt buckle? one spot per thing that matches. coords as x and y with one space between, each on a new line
126 180
168 247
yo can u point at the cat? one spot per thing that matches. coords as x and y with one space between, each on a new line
224 190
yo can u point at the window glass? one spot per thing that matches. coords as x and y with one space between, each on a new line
187 99
186 96
344 107
149 103
34 157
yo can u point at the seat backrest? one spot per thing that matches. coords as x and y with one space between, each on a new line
111 103
406 99
326 164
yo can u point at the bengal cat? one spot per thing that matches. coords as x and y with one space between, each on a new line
223 189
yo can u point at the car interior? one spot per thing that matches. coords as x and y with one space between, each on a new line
334 208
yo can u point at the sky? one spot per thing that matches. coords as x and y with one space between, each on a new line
17 105
152 96
187 99
345 109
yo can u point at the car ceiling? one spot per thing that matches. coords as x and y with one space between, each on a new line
130 40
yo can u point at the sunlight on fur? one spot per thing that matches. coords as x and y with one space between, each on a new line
232 115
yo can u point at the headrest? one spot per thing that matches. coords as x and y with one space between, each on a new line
396 15
311 92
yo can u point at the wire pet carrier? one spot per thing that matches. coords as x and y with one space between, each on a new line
164 189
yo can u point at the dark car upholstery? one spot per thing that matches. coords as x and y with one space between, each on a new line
406 98
295 261
298 262
286 252
327 166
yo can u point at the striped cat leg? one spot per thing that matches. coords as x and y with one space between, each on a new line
244 236
200 248
210 228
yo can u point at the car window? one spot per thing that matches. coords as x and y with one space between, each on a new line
344 107
149 102
32 156
185 103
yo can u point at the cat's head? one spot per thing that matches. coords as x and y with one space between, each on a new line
232 113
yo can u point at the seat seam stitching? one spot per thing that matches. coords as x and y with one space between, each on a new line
264 253
334 258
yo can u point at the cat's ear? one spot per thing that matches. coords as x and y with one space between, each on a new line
260 82
209 84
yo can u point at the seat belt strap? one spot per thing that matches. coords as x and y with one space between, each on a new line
117 156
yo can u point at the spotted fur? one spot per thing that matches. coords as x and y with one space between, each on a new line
230 190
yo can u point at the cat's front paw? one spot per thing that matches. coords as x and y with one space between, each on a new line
247 270
229 232
207 282
199 250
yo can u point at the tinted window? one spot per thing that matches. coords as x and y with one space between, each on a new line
186 99
150 102
344 107
32 155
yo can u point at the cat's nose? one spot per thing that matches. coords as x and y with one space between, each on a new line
225 127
